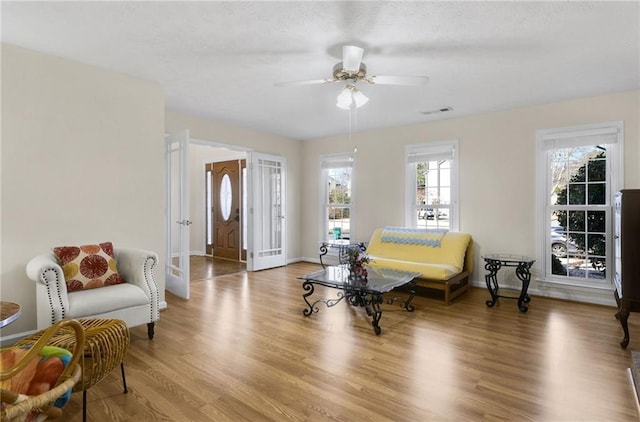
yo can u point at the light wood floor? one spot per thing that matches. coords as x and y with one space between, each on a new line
206 267
241 350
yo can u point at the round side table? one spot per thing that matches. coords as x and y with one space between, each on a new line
9 312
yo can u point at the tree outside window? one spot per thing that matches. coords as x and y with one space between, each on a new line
579 169
578 219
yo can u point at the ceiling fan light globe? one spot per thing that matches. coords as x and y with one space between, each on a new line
360 99
344 99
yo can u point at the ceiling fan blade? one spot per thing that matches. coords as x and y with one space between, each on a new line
398 80
309 82
351 58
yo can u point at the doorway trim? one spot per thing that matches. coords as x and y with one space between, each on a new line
202 211
250 153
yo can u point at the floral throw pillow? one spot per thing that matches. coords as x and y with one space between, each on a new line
88 266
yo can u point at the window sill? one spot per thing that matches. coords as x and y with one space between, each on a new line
576 285
599 294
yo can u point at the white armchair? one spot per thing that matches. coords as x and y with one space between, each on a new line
136 302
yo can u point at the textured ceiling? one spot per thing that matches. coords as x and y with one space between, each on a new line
221 60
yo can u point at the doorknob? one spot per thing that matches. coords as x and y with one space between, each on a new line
184 222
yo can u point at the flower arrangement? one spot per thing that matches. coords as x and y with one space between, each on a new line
357 256
356 260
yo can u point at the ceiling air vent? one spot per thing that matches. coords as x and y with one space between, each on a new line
439 110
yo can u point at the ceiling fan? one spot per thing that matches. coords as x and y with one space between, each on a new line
352 70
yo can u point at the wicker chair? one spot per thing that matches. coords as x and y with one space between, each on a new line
106 343
18 406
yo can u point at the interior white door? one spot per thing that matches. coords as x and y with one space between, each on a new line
267 222
177 213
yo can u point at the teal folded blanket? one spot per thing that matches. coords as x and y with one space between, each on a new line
413 236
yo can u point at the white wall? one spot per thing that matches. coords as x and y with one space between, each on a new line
497 151
224 133
82 161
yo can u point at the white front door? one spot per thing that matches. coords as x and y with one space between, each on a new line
177 213
267 231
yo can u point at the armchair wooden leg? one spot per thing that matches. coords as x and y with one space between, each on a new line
150 330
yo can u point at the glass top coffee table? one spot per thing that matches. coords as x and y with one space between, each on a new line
359 292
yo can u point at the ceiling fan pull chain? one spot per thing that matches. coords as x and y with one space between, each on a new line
351 110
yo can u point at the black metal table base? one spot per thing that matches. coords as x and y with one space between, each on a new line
371 301
522 272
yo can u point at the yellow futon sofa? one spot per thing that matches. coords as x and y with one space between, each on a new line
444 258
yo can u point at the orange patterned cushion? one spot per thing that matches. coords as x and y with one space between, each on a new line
88 266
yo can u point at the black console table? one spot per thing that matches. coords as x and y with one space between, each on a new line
494 262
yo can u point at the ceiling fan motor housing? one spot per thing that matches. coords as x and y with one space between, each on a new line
340 74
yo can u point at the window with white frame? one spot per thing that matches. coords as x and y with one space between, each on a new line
432 185
336 176
580 169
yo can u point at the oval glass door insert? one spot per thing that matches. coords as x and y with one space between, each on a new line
225 197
